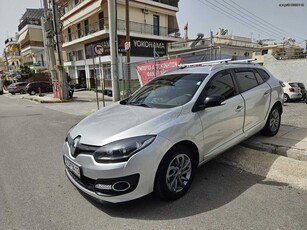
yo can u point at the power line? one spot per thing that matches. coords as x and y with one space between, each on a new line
217 8
255 22
262 20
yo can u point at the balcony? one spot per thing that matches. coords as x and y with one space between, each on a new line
29 21
168 2
103 24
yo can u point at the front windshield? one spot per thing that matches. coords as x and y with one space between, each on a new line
167 91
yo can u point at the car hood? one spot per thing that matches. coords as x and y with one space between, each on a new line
121 121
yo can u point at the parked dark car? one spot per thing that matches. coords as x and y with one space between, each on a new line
32 87
18 87
1 87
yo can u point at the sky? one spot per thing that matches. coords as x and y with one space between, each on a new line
257 19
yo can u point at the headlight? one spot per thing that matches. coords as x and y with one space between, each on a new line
122 150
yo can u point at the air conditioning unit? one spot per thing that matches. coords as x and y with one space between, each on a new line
145 11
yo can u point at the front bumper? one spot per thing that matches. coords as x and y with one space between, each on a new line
118 182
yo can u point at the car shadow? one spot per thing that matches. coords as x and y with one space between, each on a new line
214 186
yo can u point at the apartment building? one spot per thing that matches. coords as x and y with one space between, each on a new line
85 23
284 50
12 56
31 40
219 45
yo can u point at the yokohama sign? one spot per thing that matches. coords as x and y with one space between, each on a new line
147 71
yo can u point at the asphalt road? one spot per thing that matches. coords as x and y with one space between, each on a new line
295 114
35 193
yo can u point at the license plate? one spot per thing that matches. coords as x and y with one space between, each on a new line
75 169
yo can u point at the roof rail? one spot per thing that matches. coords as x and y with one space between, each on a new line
243 60
204 63
209 63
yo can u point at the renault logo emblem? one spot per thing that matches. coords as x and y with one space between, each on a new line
75 145
76 141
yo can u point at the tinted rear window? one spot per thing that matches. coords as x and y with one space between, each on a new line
293 84
246 80
263 74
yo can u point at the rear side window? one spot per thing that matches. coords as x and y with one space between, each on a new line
246 79
264 74
293 84
259 78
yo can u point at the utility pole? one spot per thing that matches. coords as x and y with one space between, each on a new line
49 32
112 4
62 76
128 50
211 44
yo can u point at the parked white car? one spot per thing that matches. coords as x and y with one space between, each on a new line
292 92
154 140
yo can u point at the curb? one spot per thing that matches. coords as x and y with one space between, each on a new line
291 152
41 100
290 142
74 99
271 166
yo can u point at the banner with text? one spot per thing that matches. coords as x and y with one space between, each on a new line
147 71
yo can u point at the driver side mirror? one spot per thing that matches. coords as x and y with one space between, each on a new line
210 101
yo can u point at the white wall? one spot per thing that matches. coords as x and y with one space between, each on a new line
287 70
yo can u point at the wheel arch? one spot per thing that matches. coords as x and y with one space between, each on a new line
189 144
279 105
158 190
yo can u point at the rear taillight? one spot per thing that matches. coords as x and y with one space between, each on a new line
291 89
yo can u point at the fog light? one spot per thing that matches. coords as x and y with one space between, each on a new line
116 186
121 186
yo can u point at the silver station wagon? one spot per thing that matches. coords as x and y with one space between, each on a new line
154 140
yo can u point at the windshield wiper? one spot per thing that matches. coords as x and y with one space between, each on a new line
139 104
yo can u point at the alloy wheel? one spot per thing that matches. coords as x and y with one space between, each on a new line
178 173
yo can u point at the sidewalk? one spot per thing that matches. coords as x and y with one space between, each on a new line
79 95
282 157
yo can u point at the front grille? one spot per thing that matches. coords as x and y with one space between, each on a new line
78 148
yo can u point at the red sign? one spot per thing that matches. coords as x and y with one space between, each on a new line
149 70
98 49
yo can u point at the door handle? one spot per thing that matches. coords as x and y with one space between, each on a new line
239 108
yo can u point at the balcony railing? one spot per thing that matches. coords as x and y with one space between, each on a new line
29 21
168 2
121 26
65 7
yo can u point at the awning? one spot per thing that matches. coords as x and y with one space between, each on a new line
22 37
172 24
81 15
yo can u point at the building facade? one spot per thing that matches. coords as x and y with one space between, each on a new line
12 57
31 40
85 24
216 47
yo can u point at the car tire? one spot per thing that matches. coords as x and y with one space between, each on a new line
13 93
32 92
286 98
175 173
273 122
22 91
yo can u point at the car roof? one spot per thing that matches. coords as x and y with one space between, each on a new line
210 68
